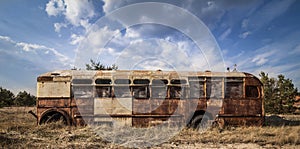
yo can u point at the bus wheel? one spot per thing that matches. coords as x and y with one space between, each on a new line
53 117
200 122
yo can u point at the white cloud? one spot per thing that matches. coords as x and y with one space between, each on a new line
5 38
55 7
166 55
58 26
245 23
22 62
76 39
110 5
225 34
35 53
130 33
92 44
245 34
76 12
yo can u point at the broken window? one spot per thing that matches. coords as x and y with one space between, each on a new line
234 90
234 87
196 87
214 87
159 88
82 88
122 91
140 90
103 91
178 81
103 87
176 92
82 91
252 91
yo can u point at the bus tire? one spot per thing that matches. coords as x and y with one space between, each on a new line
200 122
54 116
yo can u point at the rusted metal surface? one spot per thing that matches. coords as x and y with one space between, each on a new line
150 97
53 89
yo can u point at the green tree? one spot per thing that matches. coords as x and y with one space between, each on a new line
98 66
24 99
279 94
6 97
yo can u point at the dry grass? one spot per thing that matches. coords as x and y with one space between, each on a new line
18 129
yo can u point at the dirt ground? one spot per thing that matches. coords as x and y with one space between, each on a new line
18 129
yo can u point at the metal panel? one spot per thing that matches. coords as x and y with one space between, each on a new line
53 89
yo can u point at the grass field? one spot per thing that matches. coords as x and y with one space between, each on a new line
18 129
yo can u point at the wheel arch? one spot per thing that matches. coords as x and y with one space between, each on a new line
200 113
53 111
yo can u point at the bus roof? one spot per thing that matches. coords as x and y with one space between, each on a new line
70 73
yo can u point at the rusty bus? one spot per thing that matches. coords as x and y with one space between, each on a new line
145 98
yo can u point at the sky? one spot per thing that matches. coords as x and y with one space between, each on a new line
39 36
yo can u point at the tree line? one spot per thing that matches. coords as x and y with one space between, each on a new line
279 94
7 98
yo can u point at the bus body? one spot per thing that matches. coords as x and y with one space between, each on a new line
143 98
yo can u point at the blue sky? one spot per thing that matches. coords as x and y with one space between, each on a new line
41 36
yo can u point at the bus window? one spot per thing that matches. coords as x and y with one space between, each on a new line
196 89
82 91
103 81
159 88
141 81
252 91
140 90
122 81
177 81
234 90
82 81
159 92
103 91
103 88
214 88
177 92
82 88
122 91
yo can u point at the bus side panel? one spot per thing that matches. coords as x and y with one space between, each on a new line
53 102
242 107
82 110
115 111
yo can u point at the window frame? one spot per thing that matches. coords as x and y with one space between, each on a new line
106 83
201 81
160 86
139 86
209 86
178 83
257 89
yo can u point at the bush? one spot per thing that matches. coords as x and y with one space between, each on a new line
24 99
6 97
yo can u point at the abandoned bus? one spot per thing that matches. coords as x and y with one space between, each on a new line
143 98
